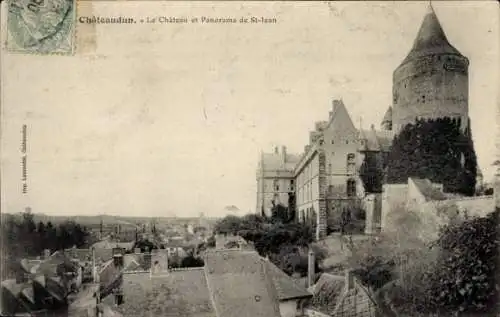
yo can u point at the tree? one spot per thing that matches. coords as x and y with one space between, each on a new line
458 275
192 261
371 173
465 278
211 242
279 213
435 149
292 212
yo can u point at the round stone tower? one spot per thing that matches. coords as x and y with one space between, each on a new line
432 81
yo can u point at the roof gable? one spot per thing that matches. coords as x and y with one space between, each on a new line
340 121
286 287
327 292
240 284
178 293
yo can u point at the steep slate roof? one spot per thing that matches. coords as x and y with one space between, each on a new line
273 161
375 140
82 255
106 244
285 286
357 301
327 292
240 284
29 266
178 293
427 190
388 115
430 39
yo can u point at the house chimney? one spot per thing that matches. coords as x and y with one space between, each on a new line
46 254
118 257
94 268
349 279
310 268
147 258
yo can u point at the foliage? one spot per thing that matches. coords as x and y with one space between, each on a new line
371 173
279 214
295 259
437 150
380 260
271 238
231 245
292 207
211 242
467 265
233 224
22 237
145 245
373 263
458 273
192 261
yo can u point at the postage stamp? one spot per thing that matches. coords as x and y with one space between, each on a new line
41 26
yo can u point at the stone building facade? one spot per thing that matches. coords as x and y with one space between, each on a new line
325 178
432 81
275 179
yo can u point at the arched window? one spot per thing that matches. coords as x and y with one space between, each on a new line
351 187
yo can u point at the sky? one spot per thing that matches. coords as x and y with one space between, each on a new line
163 119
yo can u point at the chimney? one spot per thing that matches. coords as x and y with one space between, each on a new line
147 258
46 254
310 268
118 257
94 268
283 154
118 297
349 279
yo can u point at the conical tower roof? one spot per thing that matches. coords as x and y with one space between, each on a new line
388 115
430 39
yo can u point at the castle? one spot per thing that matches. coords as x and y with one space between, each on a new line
431 82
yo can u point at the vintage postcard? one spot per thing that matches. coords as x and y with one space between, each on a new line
249 158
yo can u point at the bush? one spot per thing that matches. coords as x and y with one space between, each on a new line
437 150
457 275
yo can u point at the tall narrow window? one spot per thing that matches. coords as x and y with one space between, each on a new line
351 187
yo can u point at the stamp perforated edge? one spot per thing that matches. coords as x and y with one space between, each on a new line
73 35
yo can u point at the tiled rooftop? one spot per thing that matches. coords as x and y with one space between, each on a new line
327 292
286 287
240 285
179 293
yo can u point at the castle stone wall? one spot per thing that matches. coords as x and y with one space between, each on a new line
433 86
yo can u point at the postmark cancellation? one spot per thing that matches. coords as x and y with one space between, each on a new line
41 26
